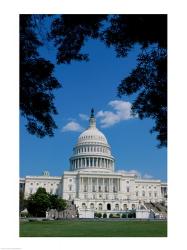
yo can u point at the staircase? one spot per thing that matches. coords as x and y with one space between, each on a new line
69 213
158 209
71 210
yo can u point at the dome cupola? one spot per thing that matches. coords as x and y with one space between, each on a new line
92 151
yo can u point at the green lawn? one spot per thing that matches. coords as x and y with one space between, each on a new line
78 228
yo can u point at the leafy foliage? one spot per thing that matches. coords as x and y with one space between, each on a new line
70 32
36 82
22 201
41 201
57 203
148 80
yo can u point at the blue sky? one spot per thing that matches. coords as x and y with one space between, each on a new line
86 85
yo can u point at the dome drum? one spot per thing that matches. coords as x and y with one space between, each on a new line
91 162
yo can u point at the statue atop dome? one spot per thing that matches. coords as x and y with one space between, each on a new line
92 122
92 113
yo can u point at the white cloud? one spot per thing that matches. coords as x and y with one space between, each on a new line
72 126
147 176
122 111
84 117
136 172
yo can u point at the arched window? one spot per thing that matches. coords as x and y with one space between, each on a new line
124 206
108 206
92 205
117 207
133 206
100 206
83 205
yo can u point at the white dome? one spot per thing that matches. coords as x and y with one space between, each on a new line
92 134
92 151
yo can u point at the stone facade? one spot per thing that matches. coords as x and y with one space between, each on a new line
92 182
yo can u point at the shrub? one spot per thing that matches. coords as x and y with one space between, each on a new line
132 215
95 215
99 215
24 214
104 215
111 216
124 215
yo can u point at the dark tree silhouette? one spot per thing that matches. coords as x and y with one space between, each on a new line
36 82
148 79
70 32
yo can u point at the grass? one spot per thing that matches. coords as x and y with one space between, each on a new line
79 228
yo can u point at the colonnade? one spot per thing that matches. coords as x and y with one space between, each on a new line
87 162
100 185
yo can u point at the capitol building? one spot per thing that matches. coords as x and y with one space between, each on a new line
92 183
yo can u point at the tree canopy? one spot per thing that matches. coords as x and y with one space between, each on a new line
41 201
37 82
69 34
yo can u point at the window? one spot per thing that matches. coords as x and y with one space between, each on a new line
155 194
70 187
92 205
136 193
127 189
133 206
100 206
31 189
124 206
149 194
51 191
99 188
83 205
143 193
117 207
85 188
31 184
93 189
70 180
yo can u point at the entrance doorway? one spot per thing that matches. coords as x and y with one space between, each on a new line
108 206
